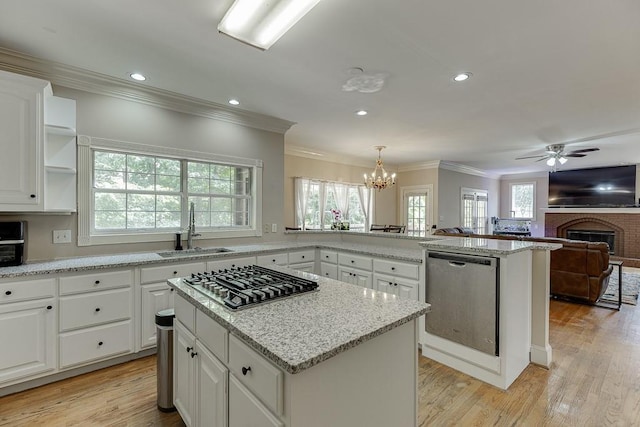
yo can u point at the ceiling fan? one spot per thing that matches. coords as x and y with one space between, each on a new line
555 154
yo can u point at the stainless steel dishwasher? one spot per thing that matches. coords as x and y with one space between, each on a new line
463 291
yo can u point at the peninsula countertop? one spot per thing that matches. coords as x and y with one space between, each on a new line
299 332
486 246
150 258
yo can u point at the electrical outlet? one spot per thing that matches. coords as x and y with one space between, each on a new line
274 228
266 228
61 236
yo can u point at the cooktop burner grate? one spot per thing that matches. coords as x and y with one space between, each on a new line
244 287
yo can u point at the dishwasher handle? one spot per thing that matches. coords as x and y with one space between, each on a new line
457 264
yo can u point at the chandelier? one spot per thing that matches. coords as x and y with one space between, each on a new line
379 178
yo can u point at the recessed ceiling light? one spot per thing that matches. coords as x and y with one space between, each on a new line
137 76
462 77
362 113
234 101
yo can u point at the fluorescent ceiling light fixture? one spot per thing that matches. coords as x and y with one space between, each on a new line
234 102
462 77
137 76
261 23
362 113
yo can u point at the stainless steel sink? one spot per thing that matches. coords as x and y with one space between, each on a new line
194 251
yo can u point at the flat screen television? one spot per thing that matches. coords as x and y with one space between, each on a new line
595 187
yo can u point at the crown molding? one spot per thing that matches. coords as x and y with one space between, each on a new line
433 164
456 167
310 153
101 84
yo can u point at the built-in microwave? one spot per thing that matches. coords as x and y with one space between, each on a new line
11 243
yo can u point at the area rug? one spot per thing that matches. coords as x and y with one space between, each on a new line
630 288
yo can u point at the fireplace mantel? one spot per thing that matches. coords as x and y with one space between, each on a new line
592 210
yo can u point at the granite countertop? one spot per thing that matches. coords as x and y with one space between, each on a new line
299 332
487 246
151 258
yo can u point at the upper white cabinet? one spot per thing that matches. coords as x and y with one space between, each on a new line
21 141
37 139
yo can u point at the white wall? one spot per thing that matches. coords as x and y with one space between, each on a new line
118 119
450 184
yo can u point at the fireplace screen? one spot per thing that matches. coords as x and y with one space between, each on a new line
607 237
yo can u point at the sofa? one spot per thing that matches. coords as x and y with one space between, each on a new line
579 271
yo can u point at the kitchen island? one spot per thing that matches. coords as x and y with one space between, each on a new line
317 359
521 309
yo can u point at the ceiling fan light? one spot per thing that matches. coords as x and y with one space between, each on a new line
562 160
551 161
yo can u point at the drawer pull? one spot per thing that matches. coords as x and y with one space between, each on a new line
393 269
189 349
175 272
245 370
97 309
8 293
194 354
302 256
33 196
100 343
326 256
49 307
352 261
97 282
171 289
273 260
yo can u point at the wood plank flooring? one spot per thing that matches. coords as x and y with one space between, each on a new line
594 381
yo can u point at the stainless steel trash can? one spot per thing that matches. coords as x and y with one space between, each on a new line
164 371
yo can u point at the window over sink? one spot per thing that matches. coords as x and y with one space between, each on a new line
139 193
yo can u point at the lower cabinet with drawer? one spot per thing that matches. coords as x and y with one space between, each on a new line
96 317
28 327
218 380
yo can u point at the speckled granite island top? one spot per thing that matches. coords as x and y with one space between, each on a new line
299 332
487 246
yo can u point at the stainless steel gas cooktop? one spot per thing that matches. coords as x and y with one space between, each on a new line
244 287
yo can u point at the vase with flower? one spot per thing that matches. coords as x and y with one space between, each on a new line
337 219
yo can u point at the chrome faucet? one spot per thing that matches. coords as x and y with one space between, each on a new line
191 230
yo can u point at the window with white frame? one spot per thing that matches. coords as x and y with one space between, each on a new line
319 204
135 190
523 199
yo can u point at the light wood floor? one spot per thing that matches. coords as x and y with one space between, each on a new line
594 381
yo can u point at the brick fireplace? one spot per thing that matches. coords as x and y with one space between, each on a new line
625 226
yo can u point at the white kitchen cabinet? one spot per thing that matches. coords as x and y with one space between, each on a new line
184 372
303 260
329 264
397 277
228 263
356 277
281 259
28 331
212 389
96 316
153 298
156 295
355 269
246 410
403 288
21 142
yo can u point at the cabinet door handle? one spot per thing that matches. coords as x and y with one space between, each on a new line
302 256
352 261
97 309
49 307
189 349
171 289
393 269
33 196
100 343
245 370
395 284
194 354
8 293
326 256
175 272
97 282
273 260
